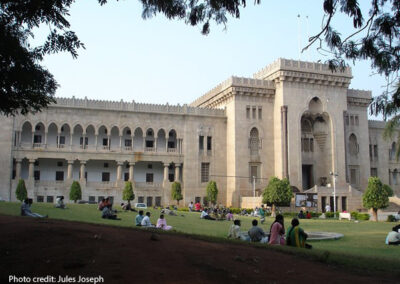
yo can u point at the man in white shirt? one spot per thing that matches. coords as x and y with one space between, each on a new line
393 238
191 206
204 215
327 208
146 221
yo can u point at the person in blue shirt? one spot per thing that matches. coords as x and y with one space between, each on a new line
139 218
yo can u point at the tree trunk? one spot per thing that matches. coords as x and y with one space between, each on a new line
375 214
273 213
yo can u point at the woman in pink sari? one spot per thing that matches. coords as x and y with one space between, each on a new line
277 231
162 223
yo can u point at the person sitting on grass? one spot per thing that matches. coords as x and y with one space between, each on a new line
197 207
60 202
169 212
215 214
191 206
26 209
128 207
139 218
102 204
393 238
257 235
229 215
295 236
301 215
107 213
146 221
162 223
277 231
308 215
204 215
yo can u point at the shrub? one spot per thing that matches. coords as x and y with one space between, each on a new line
212 192
128 194
354 215
75 192
362 216
21 192
184 209
332 215
176 191
376 196
391 218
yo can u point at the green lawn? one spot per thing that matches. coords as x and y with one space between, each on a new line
363 239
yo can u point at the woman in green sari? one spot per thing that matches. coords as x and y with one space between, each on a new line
295 235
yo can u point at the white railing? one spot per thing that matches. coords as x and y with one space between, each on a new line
37 145
148 184
149 149
171 150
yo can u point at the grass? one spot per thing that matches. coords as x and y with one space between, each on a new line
363 245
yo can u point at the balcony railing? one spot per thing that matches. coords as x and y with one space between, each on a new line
148 184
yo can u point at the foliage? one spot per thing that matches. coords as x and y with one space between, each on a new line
183 209
75 192
212 192
332 215
359 216
176 191
128 194
24 84
277 191
21 192
391 218
376 196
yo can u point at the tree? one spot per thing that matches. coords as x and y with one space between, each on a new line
278 191
176 191
75 192
128 194
212 192
21 192
376 196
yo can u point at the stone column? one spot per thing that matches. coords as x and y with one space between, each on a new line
132 142
58 139
70 140
155 144
33 136
166 143
82 171
31 169
70 169
95 141
205 145
119 171
109 141
131 178
144 143
285 164
45 139
177 172
120 142
166 172
18 169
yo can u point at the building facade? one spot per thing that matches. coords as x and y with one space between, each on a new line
293 119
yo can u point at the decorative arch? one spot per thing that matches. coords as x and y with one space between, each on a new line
353 145
254 141
315 105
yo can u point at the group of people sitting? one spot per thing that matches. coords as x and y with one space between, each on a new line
216 214
105 206
295 236
144 221
307 215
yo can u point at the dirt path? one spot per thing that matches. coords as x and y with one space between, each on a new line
31 248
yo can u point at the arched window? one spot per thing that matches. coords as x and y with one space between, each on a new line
353 145
306 126
392 154
254 141
315 105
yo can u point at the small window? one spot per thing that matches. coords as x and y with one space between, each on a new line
149 201
347 120
376 151
259 113
201 142
37 139
205 172
149 177
374 172
105 141
149 133
356 120
62 128
209 140
141 199
247 113
105 130
92 199
49 199
37 128
149 144
126 176
105 176
311 145
62 140
158 201
36 163
254 112
36 175
106 165
128 132
81 141
128 143
171 144
171 177
149 166
197 199
127 165
40 198
59 176
59 164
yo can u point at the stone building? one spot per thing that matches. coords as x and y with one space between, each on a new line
292 119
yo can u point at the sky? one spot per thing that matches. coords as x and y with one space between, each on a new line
163 61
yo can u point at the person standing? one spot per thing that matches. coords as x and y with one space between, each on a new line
327 208
261 212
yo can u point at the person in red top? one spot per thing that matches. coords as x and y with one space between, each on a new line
197 207
308 215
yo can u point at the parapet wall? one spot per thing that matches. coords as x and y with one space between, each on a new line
136 107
